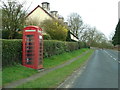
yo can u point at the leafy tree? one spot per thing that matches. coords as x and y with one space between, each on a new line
13 17
116 37
75 22
55 29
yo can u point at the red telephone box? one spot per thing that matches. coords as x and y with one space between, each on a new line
33 47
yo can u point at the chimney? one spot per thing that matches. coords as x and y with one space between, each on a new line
54 14
61 18
46 6
66 23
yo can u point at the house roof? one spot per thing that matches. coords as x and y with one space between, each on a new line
74 35
42 9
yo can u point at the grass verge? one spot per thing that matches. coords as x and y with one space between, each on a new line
18 72
54 78
62 58
0 78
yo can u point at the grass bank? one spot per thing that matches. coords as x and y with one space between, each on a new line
62 58
13 73
54 78
18 72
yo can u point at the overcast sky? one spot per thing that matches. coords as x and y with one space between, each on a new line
103 14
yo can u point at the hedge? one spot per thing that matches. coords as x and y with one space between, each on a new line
12 50
53 47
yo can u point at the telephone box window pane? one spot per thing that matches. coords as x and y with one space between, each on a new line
29 47
28 60
30 36
40 43
29 39
40 47
40 60
29 55
29 51
40 51
29 43
40 54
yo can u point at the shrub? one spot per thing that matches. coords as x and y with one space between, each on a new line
55 29
12 50
46 37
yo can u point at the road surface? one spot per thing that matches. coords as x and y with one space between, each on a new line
101 71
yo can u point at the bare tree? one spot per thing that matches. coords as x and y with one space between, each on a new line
75 22
13 17
111 35
93 37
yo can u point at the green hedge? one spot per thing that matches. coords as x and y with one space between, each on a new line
53 47
11 52
12 49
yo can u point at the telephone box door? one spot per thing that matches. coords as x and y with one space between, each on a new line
29 45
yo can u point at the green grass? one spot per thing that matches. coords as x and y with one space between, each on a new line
13 73
62 58
18 72
54 78
0 78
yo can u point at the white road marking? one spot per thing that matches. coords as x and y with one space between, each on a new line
110 55
115 59
67 86
118 61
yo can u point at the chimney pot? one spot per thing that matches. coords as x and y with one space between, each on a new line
61 18
46 6
54 13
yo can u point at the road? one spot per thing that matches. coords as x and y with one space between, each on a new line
101 71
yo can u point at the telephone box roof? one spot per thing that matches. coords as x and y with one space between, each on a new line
32 27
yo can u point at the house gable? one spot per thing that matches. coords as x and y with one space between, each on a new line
38 15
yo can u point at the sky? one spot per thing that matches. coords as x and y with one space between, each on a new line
102 14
